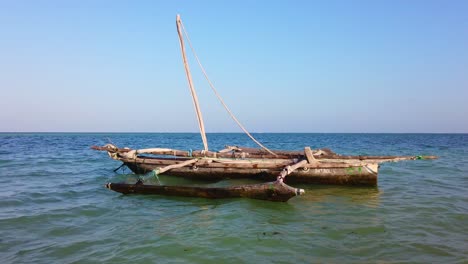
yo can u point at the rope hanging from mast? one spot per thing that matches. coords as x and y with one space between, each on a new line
192 88
216 92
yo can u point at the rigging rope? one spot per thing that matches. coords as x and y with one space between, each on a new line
219 97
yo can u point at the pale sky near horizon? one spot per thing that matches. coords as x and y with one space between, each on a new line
281 66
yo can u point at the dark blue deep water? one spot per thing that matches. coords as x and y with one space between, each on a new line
54 208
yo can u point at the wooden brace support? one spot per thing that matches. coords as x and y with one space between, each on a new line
175 166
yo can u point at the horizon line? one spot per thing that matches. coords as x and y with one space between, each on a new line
141 132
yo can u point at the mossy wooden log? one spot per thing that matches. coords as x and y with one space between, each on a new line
271 191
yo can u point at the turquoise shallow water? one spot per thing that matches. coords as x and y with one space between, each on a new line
54 208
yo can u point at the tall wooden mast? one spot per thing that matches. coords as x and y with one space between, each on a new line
190 82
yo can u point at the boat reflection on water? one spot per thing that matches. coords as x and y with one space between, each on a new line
348 195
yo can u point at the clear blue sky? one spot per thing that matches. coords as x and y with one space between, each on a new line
282 66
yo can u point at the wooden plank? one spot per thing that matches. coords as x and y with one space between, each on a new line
309 155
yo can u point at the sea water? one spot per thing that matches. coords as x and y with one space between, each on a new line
54 207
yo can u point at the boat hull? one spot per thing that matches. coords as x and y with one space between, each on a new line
341 174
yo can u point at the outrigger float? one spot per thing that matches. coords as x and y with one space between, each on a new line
321 166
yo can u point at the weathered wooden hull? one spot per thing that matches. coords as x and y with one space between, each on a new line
333 173
321 166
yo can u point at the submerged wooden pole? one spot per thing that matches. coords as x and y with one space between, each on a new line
190 82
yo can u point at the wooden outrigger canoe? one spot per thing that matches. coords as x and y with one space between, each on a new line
308 166
316 167
323 166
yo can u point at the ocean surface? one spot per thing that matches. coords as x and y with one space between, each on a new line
54 207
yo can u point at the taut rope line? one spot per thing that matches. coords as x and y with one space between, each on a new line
218 96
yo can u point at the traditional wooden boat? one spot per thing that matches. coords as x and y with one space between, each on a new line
321 166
